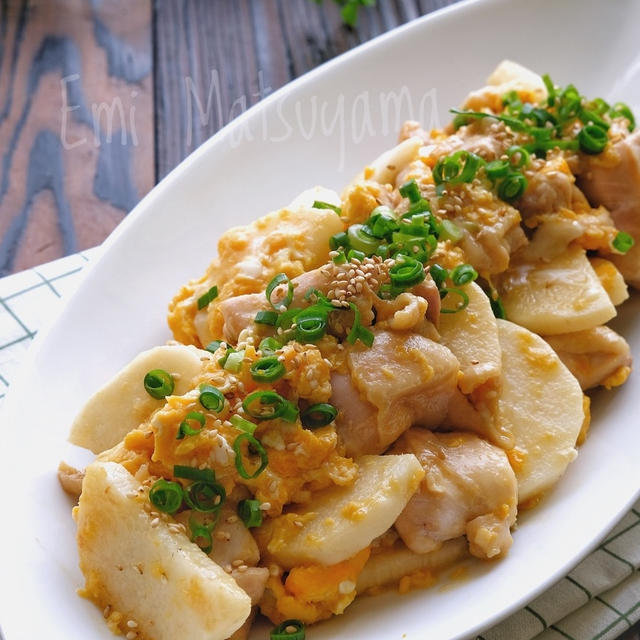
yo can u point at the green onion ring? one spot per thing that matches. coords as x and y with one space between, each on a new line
439 274
406 273
338 240
268 346
512 186
497 169
158 383
211 398
463 274
267 369
278 407
186 429
523 161
166 495
266 317
360 239
318 415
592 139
458 167
410 190
205 496
200 530
621 109
358 332
193 473
461 305
255 444
243 425
250 513
279 279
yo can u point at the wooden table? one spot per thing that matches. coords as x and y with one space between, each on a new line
99 99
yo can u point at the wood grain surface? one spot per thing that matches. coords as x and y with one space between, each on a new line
76 125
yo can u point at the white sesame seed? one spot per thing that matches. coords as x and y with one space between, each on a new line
265 506
346 586
132 624
131 635
155 522
237 563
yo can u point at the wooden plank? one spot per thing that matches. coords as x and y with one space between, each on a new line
230 53
76 126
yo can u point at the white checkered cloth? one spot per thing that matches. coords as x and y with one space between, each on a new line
598 600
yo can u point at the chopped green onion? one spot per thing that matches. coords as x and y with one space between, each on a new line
211 398
592 139
512 186
166 495
286 319
358 332
354 254
463 274
250 513
382 221
406 273
158 383
514 123
620 109
464 300
622 242
450 231
205 496
288 630
271 405
551 90
254 444
202 532
266 317
319 204
410 190
193 473
208 297
281 278
518 156
497 169
213 346
311 324
318 415
267 369
439 274
268 346
590 117
456 168
243 425
338 240
341 258
186 429
233 362
498 308
360 239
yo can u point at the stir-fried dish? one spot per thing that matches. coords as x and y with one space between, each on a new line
364 389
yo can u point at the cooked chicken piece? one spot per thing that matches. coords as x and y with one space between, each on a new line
616 185
549 189
70 479
469 488
403 379
597 356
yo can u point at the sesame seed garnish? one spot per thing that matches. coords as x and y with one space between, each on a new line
155 522
106 611
290 629
265 506
237 563
131 635
132 624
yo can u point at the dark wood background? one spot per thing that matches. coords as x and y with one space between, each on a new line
98 99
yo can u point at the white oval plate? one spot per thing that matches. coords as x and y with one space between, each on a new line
320 129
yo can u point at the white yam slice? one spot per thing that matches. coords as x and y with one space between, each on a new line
390 565
541 405
316 194
122 404
388 165
344 520
611 279
507 76
157 578
556 296
472 337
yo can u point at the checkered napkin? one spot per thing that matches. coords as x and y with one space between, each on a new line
598 600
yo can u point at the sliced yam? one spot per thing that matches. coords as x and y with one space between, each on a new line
388 165
122 404
541 405
611 279
472 337
148 573
341 521
389 566
507 76
549 297
315 194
